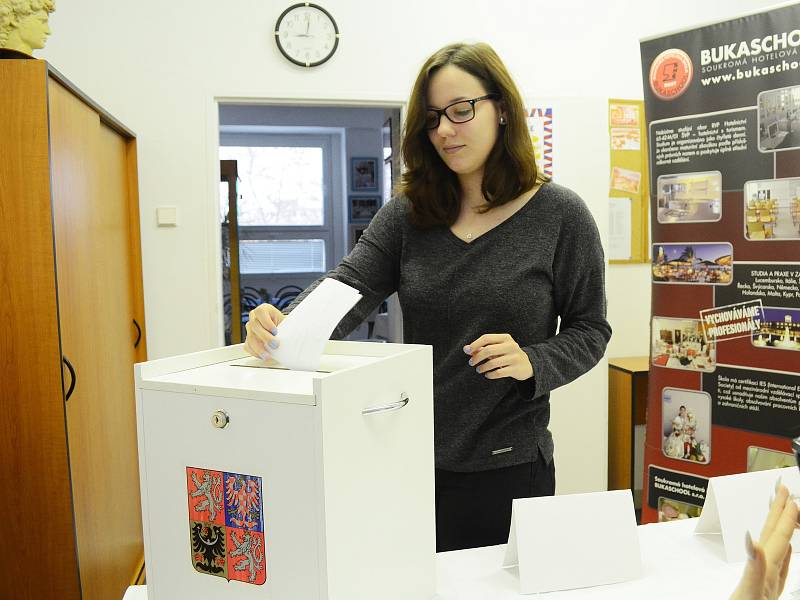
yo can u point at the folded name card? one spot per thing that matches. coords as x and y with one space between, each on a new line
737 503
574 541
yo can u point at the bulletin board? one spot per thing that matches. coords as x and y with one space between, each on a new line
628 194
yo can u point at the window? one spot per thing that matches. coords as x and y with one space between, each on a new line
387 160
284 213
281 256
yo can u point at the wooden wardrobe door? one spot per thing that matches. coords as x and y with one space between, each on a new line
93 257
34 466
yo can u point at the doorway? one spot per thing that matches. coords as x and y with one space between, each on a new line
299 184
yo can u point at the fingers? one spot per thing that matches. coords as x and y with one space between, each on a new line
754 577
775 510
252 344
267 316
768 565
784 571
500 373
485 340
778 540
515 364
255 342
489 345
492 363
261 330
498 355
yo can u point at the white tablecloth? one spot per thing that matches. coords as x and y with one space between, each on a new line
676 564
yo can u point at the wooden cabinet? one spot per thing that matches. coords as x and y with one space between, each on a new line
627 407
71 320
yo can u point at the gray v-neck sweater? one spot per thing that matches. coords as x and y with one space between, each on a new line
544 262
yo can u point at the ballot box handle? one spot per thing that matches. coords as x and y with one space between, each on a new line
387 407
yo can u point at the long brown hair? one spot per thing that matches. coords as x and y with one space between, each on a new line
432 188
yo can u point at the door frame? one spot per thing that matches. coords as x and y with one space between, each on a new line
214 245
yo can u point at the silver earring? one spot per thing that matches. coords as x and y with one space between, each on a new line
502 120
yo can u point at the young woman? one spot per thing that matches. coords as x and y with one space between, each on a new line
486 255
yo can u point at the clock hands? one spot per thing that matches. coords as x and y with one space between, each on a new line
308 26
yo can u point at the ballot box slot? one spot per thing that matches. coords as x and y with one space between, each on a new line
277 367
329 363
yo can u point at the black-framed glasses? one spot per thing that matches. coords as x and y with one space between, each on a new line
457 112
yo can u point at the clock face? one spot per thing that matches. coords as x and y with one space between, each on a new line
306 34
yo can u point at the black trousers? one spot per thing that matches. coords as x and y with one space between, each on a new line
474 509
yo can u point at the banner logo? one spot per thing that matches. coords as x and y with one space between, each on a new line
671 73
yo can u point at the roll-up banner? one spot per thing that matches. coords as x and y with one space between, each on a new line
722 104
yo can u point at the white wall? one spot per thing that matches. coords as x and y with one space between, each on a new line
159 66
579 410
628 288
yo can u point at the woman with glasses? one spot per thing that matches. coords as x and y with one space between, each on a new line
486 256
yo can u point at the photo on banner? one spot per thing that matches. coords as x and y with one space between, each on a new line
693 263
674 510
686 425
780 329
681 344
690 197
772 209
765 459
778 119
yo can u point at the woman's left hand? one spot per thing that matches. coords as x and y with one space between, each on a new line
497 355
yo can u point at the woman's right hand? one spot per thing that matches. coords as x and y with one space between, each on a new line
262 327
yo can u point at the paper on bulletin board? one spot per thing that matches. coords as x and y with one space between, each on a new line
626 180
625 138
619 228
623 114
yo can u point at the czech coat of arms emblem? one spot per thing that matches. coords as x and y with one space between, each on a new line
226 525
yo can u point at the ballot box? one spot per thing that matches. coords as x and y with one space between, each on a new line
262 482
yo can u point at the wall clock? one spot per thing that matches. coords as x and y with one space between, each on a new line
306 34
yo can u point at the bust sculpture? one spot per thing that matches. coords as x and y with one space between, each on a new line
24 24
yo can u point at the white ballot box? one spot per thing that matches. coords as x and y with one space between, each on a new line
260 482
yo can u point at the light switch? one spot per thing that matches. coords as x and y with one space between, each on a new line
167 216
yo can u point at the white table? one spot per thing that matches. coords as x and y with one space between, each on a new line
676 564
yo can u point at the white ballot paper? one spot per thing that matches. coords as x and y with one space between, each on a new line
573 541
737 503
303 334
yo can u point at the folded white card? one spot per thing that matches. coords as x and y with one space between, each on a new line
737 503
303 334
573 541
